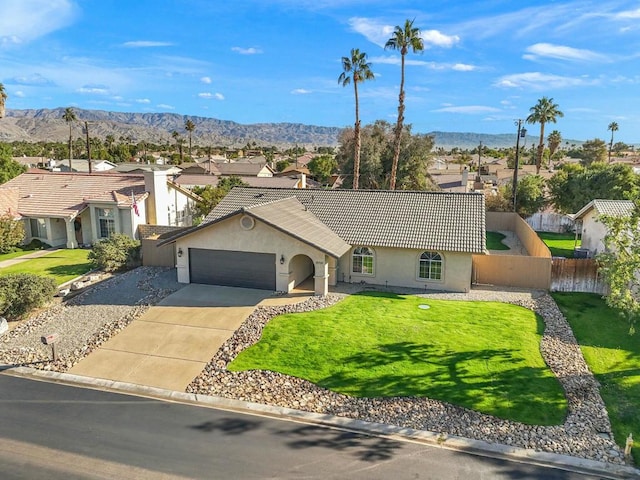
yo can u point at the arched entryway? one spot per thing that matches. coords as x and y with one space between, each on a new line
301 272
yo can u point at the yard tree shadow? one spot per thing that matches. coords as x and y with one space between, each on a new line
365 447
468 379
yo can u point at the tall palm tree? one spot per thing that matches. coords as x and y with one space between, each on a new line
3 98
543 112
402 39
360 70
189 126
613 126
69 116
554 140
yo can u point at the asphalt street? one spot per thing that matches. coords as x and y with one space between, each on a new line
53 431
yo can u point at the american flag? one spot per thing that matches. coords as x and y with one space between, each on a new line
134 205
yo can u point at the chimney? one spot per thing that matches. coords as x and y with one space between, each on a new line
155 183
303 180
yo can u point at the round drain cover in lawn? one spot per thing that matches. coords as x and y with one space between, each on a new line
424 307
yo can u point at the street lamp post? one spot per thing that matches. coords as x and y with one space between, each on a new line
522 132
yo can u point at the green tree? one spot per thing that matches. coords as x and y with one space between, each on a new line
531 194
402 39
22 292
322 166
573 186
620 264
189 126
211 196
554 140
356 70
11 233
593 151
545 111
613 126
69 116
3 99
9 168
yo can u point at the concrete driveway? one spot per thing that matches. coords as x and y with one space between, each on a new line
172 342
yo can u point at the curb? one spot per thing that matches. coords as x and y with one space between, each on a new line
450 442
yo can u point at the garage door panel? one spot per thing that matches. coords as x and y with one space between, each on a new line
232 268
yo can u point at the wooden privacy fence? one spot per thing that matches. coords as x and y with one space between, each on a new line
577 275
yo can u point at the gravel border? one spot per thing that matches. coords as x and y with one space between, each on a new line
94 316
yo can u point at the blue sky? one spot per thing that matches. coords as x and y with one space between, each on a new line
251 61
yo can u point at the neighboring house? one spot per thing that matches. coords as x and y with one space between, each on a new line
32 162
189 181
242 169
140 167
589 224
81 165
276 238
73 209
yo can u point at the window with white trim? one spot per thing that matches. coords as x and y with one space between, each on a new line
363 260
106 222
430 266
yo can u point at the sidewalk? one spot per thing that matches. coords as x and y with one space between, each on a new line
28 256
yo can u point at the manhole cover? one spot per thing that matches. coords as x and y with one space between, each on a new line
424 307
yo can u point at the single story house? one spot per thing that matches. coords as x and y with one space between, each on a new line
81 165
74 209
274 239
593 230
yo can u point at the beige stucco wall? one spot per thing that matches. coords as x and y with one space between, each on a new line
593 233
262 238
399 267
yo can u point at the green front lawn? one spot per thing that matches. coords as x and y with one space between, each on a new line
480 355
612 355
62 265
494 241
20 251
560 244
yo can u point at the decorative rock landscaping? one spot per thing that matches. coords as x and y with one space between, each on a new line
95 315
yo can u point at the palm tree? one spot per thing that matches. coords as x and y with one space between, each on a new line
554 140
69 116
360 70
3 97
189 126
613 126
403 39
545 111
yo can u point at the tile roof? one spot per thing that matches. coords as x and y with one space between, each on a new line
55 194
291 217
613 208
402 219
9 202
187 179
240 168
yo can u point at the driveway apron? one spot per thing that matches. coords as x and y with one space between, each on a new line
171 343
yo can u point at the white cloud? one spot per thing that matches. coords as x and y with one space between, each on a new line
463 67
146 44
209 95
246 51
206 80
439 39
541 81
19 94
468 109
93 90
395 60
372 30
562 52
34 79
300 91
143 100
629 14
165 106
22 21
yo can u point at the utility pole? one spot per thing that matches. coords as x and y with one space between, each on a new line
86 129
522 132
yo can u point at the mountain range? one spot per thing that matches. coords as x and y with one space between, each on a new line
47 125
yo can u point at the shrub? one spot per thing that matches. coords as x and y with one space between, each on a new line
22 292
118 252
11 233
